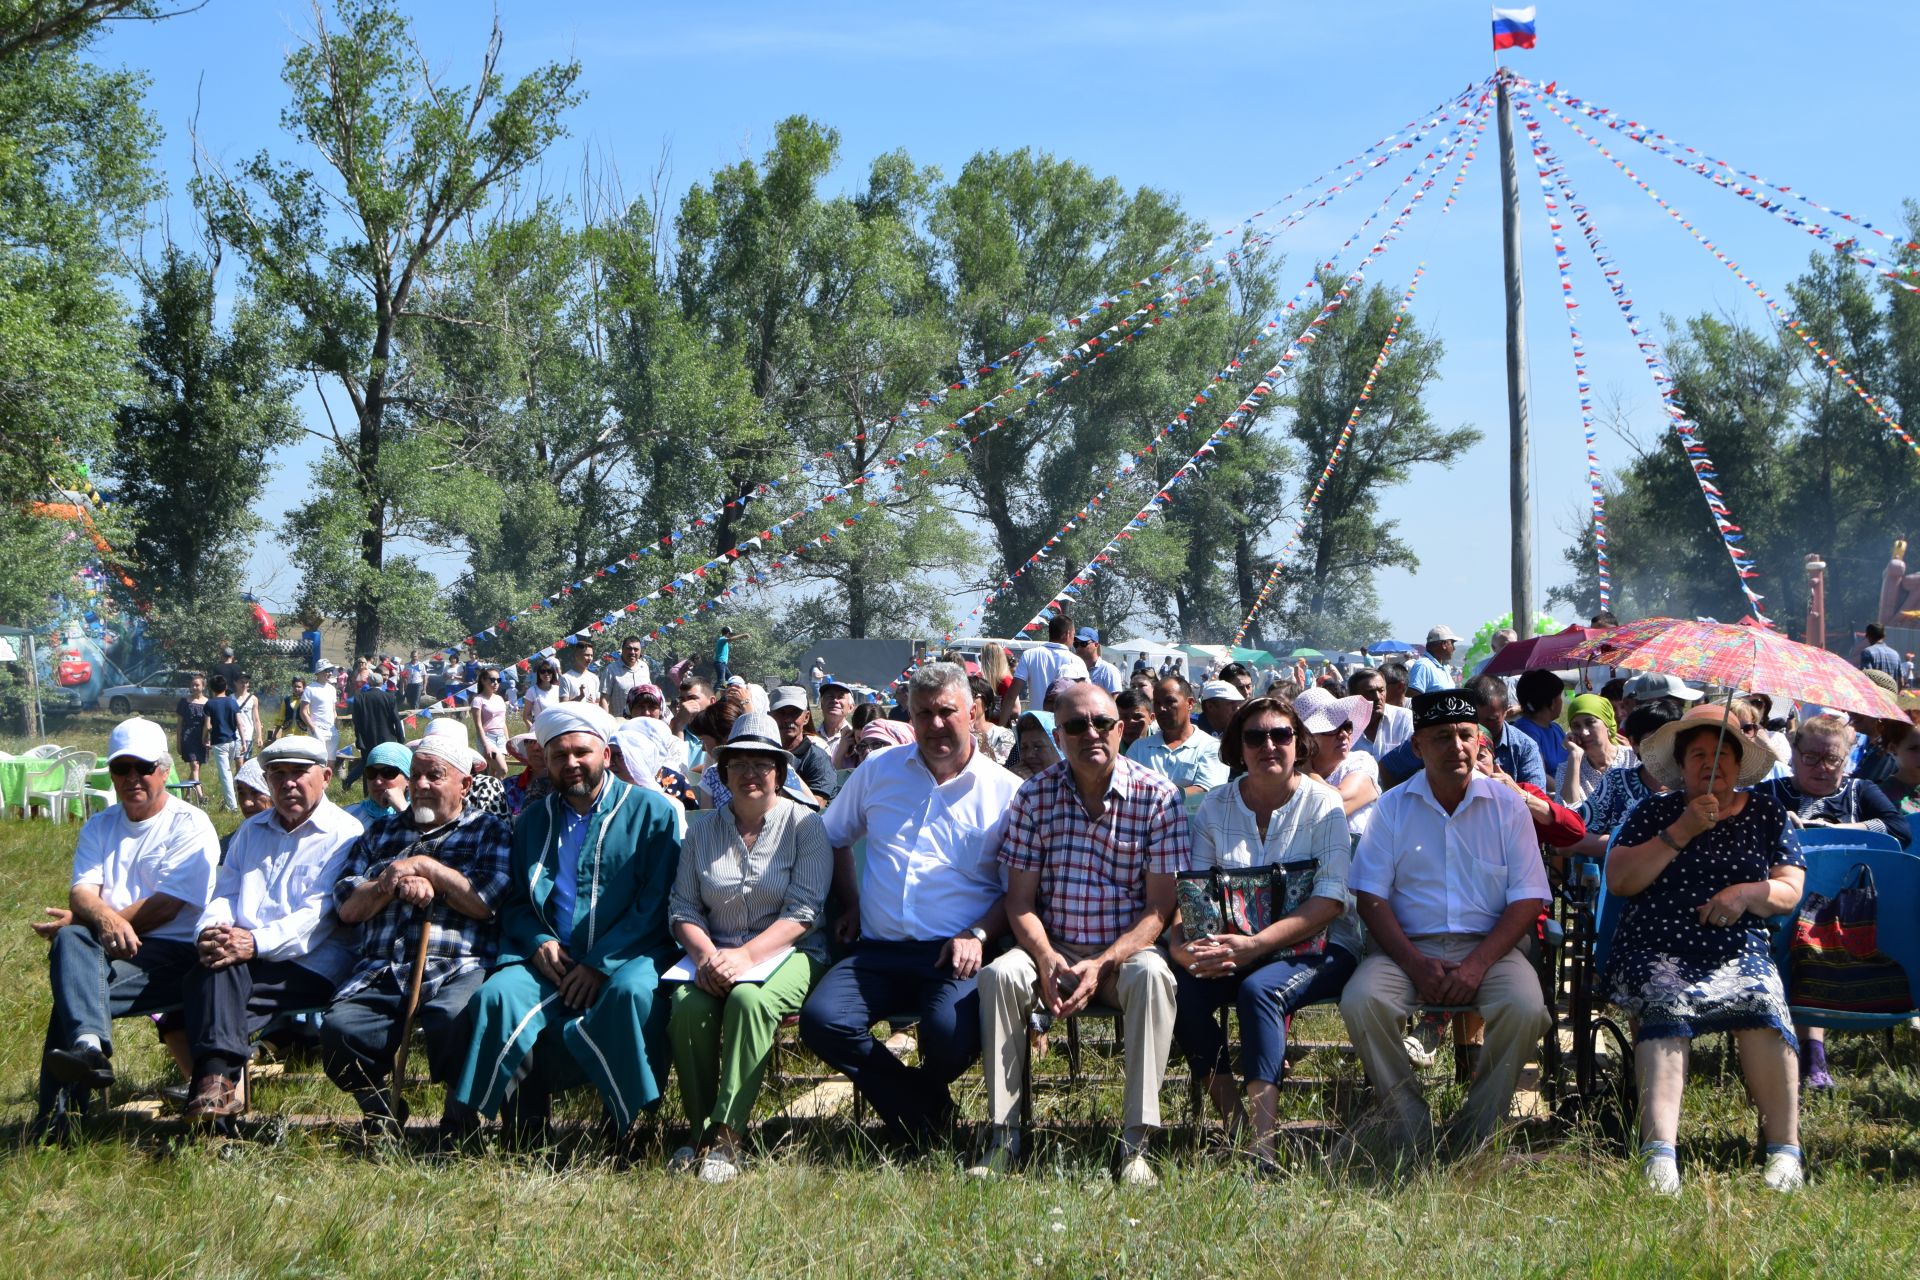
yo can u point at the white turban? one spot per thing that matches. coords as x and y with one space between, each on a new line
446 739
756 699
646 747
573 717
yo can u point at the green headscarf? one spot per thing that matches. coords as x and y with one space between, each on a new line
1592 704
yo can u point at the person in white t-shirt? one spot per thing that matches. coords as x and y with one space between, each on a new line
1041 665
323 710
625 674
580 684
142 871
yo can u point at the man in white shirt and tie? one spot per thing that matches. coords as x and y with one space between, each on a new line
1449 880
267 940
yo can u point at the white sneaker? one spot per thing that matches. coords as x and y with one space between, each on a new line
1134 1171
1418 1054
683 1160
718 1167
1784 1172
996 1160
1661 1174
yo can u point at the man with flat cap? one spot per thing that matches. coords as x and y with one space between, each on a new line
438 862
583 941
142 871
267 940
1448 879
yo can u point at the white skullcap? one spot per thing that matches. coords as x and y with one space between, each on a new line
449 747
573 717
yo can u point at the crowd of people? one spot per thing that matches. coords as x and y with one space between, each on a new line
673 871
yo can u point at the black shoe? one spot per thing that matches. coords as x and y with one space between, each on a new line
82 1065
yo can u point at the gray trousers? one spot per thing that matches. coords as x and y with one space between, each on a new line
90 991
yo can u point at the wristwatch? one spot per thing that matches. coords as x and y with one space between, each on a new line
977 934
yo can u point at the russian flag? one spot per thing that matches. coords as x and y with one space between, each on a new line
1513 28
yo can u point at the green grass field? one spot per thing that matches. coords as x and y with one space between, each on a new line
138 1199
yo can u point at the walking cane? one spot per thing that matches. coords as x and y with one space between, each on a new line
397 1077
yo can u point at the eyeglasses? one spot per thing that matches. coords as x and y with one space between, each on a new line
1749 728
1076 727
1278 736
1829 761
382 772
125 767
747 764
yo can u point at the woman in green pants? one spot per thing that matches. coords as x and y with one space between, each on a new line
746 907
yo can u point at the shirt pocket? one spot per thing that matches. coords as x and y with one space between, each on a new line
1483 880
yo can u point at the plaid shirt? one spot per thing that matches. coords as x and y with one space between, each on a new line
475 844
1093 874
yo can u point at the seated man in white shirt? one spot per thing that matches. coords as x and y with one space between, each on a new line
267 939
1388 726
919 913
142 871
1040 666
1179 752
1449 880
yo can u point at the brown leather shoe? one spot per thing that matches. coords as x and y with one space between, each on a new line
214 1095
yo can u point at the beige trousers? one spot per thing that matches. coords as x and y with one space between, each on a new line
1142 989
1379 999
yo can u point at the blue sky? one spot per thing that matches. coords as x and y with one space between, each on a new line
1226 105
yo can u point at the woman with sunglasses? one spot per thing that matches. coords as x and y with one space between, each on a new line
545 693
489 711
1270 814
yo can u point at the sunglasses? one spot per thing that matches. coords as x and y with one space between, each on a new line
1079 725
382 772
126 768
1279 737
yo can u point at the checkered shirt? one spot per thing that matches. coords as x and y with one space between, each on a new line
1093 874
475 844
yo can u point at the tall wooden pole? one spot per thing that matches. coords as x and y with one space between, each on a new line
1520 493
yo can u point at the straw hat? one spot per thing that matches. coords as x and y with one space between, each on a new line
1658 755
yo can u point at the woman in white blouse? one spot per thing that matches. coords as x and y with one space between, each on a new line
753 876
1270 814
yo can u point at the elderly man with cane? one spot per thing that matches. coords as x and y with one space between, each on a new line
422 885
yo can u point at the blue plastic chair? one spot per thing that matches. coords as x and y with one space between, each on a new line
1896 874
1822 837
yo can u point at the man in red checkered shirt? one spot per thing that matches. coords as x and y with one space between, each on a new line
1092 846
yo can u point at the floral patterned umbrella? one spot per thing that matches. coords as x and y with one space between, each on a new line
1739 657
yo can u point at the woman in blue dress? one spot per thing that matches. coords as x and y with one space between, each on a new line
1701 868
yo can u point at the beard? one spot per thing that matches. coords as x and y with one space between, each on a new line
583 789
424 817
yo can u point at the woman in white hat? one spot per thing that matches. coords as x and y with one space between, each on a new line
1336 724
746 908
1702 866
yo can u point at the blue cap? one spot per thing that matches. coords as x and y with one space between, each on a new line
394 755
1087 635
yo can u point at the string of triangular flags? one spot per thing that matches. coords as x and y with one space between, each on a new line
1583 385
1792 324
1252 239
1704 471
1715 171
1246 408
1333 457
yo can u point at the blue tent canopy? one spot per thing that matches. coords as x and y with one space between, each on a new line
1390 646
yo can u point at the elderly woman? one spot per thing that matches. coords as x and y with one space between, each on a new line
532 782
1818 793
1623 786
745 907
1701 868
876 735
1034 747
1335 725
1268 815
389 768
1543 696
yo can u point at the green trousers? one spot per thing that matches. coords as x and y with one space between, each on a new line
720 1047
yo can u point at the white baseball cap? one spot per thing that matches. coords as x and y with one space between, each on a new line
1222 690
138 738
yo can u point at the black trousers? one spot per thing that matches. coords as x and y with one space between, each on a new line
361 1033
227 1007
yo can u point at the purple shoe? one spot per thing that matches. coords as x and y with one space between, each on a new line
1817 1078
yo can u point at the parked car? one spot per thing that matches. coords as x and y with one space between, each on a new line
160 691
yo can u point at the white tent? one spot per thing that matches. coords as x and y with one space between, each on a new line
1123 653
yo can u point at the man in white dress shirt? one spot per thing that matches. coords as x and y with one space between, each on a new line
267 938
919 912
1040 666
1449 880
1388 726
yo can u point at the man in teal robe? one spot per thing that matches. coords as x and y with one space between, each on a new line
583 941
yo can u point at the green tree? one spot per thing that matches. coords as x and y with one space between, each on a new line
189 456
410 158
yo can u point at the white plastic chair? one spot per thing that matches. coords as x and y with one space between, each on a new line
45 751
75 766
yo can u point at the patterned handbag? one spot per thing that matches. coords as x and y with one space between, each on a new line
1245 901
1835 961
